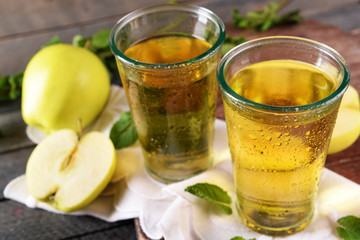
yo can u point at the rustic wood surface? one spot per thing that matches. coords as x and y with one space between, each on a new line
26 25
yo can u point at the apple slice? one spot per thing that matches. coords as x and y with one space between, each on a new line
350 99
346 130
69 173
347 127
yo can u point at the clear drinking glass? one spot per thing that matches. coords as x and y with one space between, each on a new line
167 57
281 97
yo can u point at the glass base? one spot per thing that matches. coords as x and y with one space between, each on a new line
275 224
167 179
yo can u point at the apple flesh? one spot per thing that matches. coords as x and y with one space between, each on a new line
351 99
346 130
69 173
347 127
63 83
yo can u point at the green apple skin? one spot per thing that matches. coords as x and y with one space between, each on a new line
63 83
346 130
65 184
351 99
347 127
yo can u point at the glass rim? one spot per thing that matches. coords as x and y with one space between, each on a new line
161 8
315 105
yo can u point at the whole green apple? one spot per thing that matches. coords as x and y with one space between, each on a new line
63 83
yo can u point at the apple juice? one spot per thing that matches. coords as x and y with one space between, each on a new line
277 161
173 107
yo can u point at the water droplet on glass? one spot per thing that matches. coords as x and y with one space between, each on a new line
252 136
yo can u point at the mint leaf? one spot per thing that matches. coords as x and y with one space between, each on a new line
101 39
78 40
350 228
10 86
123 132
213 194
241 238
52 41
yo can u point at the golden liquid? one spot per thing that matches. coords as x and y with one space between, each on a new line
174 111
277 158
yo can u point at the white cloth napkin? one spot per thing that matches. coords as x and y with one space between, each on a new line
170 212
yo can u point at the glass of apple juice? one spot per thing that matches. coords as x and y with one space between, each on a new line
167 57
281 97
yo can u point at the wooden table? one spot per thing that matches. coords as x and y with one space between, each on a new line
26 25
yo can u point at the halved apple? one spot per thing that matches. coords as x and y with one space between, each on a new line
351 99
69 173
347 127
346 130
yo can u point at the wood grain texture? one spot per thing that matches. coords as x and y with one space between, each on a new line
19 222
24 18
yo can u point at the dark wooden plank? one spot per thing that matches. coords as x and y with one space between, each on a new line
19 222
13 143
12 128
33 17
344 14
19 51
115 233
12 165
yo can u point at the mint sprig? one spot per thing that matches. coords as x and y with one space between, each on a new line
349 228
123 132
10 86
212 193
266 18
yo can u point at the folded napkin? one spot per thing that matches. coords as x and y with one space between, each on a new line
170 212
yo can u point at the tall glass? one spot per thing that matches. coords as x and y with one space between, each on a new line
172 93
281 97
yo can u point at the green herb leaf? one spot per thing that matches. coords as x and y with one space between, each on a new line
350 228
123 132
78 40
213 194
10 86
266 18
231 42
52 41
241 238
101 39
